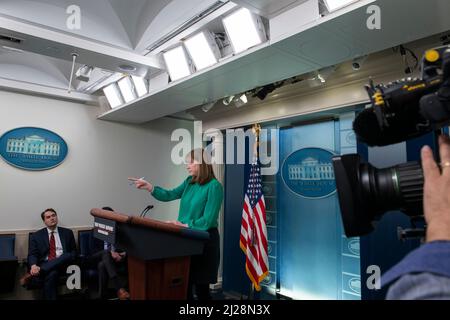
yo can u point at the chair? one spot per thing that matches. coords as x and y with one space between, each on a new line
88 244
8 263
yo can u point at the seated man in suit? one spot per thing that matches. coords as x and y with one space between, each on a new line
50 251
108 261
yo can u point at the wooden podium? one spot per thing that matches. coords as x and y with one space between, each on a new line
158 252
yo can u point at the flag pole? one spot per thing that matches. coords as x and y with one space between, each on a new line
251 295
256 131
256 128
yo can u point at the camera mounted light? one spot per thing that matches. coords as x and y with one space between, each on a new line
408 108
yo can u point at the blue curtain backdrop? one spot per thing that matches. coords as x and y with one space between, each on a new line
309 256
316 261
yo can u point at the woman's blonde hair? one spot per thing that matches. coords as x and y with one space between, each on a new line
205 171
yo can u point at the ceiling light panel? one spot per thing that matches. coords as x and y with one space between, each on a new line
127 90
177 63
203 50
113 95
140 85
244 29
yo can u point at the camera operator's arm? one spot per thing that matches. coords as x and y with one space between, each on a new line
425 272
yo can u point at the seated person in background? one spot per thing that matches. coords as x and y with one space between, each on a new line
108 260
50 251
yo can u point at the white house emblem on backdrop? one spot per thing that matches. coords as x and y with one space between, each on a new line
353 247
33 145
33 149
309 173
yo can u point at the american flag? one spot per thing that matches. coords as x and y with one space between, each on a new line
253 228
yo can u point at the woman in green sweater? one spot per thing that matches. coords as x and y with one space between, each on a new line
201 199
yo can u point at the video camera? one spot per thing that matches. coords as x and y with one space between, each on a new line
400 111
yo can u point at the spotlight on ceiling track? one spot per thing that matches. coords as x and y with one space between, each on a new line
208 106
226 101
321 78
84 73
262 92
325 73
241 100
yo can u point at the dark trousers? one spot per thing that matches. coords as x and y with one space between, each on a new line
51 284
50 274
204 268
201 291
107 270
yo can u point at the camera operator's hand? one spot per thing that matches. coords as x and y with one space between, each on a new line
437 192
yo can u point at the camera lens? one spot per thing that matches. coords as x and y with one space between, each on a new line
366 192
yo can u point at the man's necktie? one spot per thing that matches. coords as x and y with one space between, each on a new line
52 251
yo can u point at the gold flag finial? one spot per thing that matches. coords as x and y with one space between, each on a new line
256 131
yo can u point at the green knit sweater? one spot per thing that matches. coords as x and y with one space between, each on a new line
199 205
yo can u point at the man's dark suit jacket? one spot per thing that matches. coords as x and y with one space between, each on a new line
39 247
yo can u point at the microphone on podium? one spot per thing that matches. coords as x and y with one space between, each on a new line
146 210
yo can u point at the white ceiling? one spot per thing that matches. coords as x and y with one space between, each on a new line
268 8
112 33
327 41
114 22
34 68
117 32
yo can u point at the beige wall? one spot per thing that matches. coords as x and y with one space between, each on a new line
101 157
